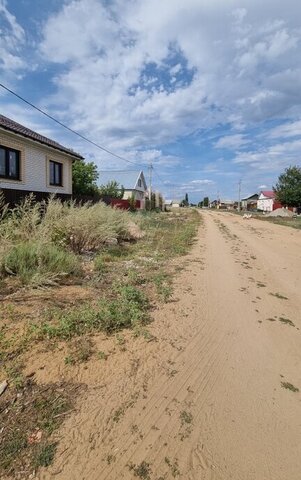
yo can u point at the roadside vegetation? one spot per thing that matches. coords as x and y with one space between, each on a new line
120 265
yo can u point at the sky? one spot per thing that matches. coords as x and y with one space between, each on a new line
208 91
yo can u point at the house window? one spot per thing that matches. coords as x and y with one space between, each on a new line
139 183
55 173
9 163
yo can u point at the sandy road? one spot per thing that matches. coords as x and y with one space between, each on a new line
205 401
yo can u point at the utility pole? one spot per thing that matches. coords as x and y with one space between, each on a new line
239 192
150 168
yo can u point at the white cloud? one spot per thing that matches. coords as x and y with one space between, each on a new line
105 51
232 141
286 130
272 158
12 39
203 182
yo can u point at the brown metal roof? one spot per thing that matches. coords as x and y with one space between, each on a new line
15 127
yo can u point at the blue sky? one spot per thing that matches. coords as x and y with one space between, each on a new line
208 91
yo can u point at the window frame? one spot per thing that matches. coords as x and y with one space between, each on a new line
58 183
7 151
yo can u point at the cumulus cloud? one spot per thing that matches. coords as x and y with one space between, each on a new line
12 38
108 50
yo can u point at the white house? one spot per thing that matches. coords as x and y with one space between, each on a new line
266 201
133 182
30 162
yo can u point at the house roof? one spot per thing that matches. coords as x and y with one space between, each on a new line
268 193
12 126
251 197
127 179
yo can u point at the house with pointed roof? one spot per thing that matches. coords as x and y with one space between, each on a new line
33 163
132 181
266 201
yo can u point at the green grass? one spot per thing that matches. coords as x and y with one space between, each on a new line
127 310
45 455
11 448
38 264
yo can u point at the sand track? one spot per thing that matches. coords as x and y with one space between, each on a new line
205 401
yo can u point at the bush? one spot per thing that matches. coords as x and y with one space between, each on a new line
39 264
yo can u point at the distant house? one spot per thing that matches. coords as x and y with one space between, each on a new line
30 162
225 204
213 204
266 201
176 203
250 203
133 182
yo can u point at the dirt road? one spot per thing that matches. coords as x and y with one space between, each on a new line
213 397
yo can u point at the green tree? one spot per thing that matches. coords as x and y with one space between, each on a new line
206 202
84 177
288 187
200 204
112 189
185 202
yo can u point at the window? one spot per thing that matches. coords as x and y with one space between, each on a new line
55 173
9 163
139 183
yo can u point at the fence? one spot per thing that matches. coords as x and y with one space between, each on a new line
12 197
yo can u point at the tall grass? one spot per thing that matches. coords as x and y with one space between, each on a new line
39 241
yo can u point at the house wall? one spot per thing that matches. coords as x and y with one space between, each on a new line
265 204
34 166
138 195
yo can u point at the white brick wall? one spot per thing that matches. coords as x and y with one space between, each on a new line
35 165
265 204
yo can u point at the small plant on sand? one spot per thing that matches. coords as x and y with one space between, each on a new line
289 386
278 295
143 470
287 321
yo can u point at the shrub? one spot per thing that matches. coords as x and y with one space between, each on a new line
36 263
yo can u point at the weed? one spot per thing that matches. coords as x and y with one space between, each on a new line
127 310
174 467
45 455
82 349
40 408
163 285
289 386
286 321
15 375
143 470
110 458
11 448
278 295
102 355
186 417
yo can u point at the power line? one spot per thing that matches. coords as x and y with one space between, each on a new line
68 128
